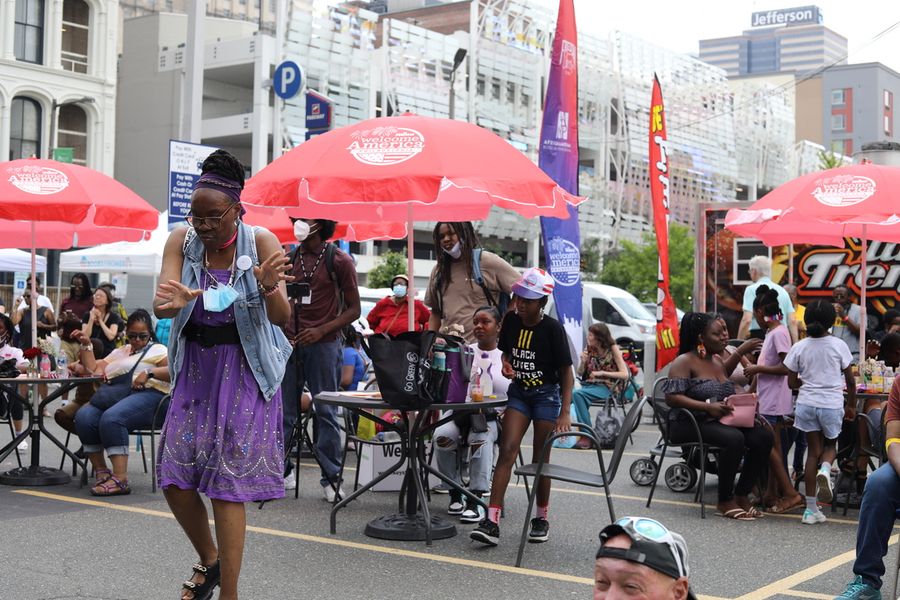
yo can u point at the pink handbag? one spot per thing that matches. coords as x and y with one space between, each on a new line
744 410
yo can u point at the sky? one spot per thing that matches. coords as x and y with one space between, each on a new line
680 24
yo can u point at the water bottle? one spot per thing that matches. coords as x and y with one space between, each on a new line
45 366
440 361
888 379
487 383
62 366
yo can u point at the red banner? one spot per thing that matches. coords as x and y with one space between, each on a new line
666 317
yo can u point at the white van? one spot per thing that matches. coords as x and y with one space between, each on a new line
627 319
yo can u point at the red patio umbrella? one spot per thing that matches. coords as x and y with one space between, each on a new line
408 168
859 201
61 204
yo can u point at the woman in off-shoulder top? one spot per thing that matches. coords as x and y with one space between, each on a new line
699 383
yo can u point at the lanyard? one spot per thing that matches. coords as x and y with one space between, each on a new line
307 277
211 278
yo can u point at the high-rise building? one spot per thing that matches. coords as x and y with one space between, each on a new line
858 102
58 80
790 40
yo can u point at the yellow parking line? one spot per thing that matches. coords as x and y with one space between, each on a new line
801 594
786 585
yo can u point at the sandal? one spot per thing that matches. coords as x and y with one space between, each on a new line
781 507
736 514
755 512
101 475
111 486
211 578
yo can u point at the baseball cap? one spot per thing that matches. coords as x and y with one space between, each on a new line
402 276
652 545
534 284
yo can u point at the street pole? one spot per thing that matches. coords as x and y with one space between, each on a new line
195 50
278 103
458 58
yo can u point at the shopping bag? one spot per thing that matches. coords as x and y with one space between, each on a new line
744 413
402 367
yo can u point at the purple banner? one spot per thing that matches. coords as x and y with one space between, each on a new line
559 159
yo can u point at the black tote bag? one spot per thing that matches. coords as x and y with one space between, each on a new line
402 367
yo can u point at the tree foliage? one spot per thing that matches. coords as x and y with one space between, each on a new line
634 267
829 160
390 264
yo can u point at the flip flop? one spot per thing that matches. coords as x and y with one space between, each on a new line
780 510
755 512
736 514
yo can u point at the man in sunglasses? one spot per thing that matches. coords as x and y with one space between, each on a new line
640 558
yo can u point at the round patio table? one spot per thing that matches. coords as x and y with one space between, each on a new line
35 474
414 522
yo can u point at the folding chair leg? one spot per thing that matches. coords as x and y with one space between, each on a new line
702 481
152 461
894 590
531 499
520 461
62 460
656 474
143 453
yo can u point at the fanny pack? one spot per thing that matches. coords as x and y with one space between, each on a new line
208 336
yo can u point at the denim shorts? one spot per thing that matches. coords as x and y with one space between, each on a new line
773 419
827 420
541 403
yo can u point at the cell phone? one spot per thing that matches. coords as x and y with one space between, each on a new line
298 290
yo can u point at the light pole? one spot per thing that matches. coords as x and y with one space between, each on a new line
54 117
458 58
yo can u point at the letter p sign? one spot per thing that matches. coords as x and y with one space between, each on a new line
288 79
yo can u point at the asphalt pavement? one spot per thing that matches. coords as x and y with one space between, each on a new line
60 542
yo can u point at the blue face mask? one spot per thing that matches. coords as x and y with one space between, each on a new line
400 291
219 298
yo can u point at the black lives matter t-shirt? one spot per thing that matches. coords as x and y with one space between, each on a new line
536 353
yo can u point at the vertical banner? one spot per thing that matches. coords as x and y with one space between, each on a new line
666 317
559 159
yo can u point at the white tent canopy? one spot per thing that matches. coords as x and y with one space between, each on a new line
12 260
133 258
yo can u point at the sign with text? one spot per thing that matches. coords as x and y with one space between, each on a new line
66 155
800 15
185 160
318 113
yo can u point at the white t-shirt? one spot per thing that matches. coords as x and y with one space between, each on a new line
7 352
820 362
43 301
500 383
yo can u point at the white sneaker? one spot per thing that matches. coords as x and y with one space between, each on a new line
824 493
330 494
290 482
456 508
811 518
23 445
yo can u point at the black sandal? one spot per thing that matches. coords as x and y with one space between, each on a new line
211 578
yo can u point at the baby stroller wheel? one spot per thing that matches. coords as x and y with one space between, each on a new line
642 471
680 477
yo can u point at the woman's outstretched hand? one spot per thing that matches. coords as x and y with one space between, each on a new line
175 295
273 270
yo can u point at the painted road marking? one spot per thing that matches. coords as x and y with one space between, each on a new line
338 542
801 594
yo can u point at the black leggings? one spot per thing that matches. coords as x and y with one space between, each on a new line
753 444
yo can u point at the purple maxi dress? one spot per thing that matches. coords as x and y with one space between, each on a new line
220 436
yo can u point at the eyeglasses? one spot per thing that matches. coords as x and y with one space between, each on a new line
208 222
654 531
138 336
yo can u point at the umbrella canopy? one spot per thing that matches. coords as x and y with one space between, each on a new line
278 221
857 201
142 257
407 168
72 198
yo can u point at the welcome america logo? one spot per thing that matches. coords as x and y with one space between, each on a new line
384 146
41 181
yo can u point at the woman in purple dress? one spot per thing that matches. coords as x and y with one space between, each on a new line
222 284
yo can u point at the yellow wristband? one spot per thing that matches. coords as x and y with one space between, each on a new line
890 441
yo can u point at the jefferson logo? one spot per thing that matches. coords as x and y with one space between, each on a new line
384 146
41 181
843 190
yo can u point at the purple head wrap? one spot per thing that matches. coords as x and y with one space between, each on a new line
229 187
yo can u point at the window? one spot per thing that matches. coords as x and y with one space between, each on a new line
887 124
76 19
837 97
838 122
29 31
25 128
72 132
837 146
744 250
887 99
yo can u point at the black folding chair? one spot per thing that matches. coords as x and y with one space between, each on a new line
873 451
603 479
159 416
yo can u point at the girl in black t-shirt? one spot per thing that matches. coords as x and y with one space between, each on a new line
536 357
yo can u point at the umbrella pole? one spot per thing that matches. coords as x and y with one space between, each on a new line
863 320
34 297
791 264
411 290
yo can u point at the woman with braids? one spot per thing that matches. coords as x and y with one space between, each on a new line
222 284
698 382
136 377
453 294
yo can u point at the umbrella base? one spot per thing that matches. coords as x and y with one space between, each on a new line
35 475
409 528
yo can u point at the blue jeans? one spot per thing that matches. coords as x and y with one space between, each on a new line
318 367
447 442
880 502
106 424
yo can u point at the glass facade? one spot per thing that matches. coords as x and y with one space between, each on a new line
25 128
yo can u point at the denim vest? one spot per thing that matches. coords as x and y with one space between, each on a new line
265 346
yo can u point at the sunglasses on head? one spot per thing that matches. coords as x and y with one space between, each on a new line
138 336
651 529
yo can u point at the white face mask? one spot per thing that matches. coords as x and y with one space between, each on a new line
455 252
301 230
